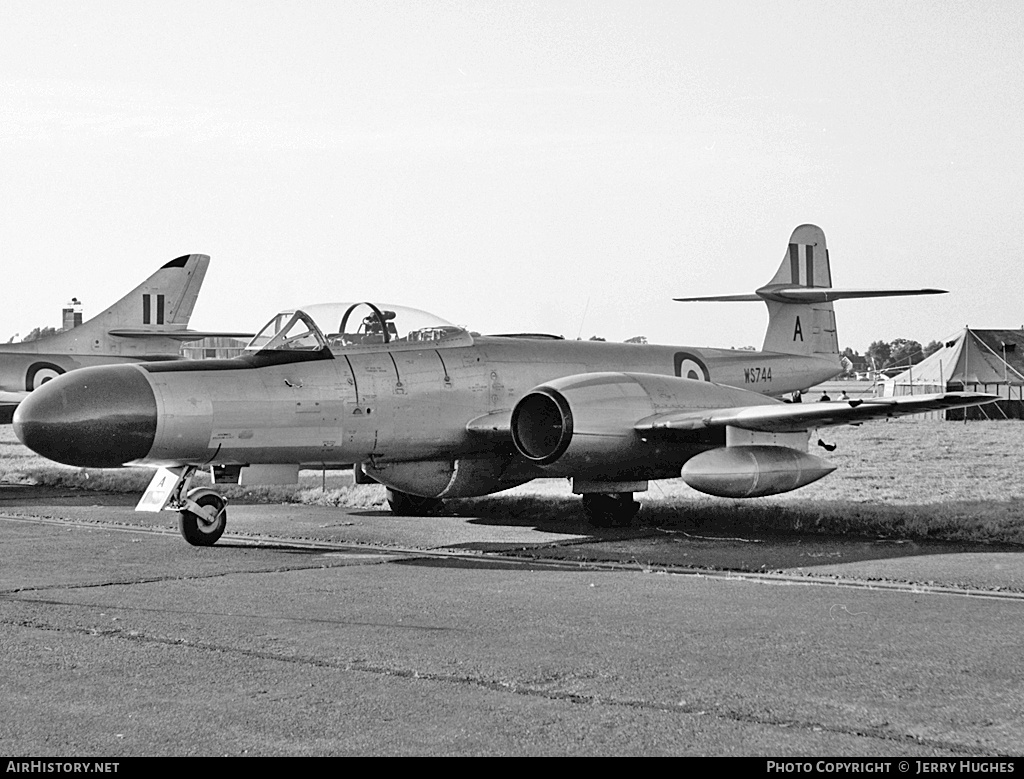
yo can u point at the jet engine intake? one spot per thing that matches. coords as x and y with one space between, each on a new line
542 426
585 425
582 430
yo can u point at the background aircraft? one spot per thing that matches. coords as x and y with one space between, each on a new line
149 323
433 411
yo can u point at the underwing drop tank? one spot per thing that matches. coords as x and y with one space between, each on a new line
753 471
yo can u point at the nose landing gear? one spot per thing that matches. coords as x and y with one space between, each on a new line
203 519
202 512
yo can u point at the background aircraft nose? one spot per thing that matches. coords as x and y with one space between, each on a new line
98 417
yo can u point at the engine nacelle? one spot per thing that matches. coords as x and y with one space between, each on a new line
753 471
461 478
584 424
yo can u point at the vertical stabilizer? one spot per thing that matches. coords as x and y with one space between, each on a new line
148 322
796 327
164 301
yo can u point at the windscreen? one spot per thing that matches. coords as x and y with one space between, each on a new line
291 332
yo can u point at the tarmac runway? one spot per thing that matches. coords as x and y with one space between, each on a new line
333 632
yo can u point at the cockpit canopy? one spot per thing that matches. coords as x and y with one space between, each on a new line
344 326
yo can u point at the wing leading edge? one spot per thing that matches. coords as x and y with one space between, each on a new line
794 417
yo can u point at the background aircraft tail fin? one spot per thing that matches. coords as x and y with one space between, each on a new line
151 315
801 319
163 301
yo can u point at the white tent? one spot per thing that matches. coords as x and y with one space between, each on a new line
973 361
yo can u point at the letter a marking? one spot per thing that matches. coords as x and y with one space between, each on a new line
797 331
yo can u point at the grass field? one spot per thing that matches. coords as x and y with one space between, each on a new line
919 479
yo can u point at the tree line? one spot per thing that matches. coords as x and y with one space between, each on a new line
35 335
898 353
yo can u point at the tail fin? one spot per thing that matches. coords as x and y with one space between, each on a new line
153 317
805 328
801 319
149 323
162 302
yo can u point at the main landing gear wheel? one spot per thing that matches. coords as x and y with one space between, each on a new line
609 509
405 505
204 529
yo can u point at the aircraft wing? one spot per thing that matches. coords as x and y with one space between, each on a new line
793 417
7 397
8 403
177 335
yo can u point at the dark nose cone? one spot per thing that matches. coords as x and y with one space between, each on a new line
99 417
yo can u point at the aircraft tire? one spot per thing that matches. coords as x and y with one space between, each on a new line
405 505
614 509
199 531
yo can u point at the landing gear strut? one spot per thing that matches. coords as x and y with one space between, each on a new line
405 505
610 509
202 513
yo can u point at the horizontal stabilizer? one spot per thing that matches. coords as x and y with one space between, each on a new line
810 295
723 299
794 417
825 295
177 335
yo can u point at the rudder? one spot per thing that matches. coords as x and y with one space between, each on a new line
806 262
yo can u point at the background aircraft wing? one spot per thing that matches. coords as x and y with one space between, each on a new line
177 335
12 397
8 403
793 417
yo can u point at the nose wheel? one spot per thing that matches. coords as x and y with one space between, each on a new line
609 509
203 519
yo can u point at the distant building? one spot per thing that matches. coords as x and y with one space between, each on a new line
213 348
72 314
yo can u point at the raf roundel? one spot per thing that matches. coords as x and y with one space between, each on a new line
689 366
40 373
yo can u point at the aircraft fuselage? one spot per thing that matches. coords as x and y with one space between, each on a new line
401 403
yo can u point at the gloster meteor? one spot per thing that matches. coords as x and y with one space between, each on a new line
433 411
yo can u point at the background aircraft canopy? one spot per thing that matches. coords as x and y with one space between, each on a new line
353 325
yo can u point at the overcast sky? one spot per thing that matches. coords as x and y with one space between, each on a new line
564 167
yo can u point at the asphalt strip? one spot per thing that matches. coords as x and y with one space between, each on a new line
401 554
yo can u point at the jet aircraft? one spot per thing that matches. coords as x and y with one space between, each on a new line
433 411
149 323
